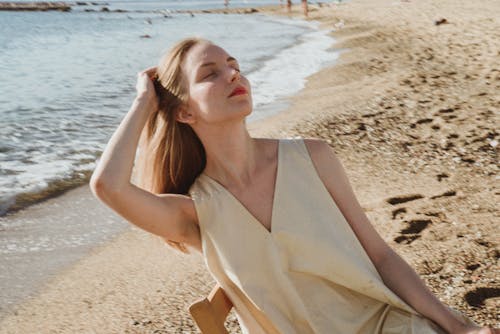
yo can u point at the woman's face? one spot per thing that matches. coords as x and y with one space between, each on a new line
218 92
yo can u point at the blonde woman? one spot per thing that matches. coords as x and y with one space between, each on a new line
275 219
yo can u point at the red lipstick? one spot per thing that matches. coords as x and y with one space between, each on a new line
238 91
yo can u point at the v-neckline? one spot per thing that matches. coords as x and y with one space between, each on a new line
275 193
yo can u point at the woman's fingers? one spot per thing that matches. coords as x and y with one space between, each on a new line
150 71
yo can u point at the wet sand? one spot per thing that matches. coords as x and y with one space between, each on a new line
411 109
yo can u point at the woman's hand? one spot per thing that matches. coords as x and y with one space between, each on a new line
145 87
471 329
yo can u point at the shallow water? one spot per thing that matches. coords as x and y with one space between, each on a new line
69 78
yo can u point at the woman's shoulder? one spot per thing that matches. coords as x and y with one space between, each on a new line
310 148
267 145
316 146
265 140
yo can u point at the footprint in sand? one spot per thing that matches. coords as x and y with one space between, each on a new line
403 198
478 296
421 121
442 176
412 232
416 226
397 212
407 239
445 194
437 214
473 266
446 113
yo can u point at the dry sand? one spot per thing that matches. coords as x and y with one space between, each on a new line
411 109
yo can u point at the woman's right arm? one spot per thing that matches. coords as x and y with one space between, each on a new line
167 215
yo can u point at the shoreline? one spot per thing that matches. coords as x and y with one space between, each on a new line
43 6
385 109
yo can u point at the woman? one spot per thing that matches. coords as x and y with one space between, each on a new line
243 202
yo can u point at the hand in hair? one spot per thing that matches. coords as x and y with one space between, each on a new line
145 86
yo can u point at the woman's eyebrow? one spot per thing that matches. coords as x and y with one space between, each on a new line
213 63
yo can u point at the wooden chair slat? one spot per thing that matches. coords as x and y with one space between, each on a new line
210 313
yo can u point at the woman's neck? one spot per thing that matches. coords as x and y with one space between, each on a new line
231 157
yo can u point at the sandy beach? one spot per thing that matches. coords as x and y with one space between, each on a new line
411 109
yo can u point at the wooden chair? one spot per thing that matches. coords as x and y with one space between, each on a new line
210 313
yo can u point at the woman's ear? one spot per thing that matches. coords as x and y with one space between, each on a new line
183 115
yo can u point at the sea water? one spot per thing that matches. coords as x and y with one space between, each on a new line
68 78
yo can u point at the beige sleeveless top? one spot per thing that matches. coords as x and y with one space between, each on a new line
309 274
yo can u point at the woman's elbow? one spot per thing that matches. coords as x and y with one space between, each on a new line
96 185
100 187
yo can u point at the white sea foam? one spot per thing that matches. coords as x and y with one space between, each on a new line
286 73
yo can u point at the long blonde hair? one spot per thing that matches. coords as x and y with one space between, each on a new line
171 155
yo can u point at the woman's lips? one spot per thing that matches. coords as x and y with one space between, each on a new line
238 91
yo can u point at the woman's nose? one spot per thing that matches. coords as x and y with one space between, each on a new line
235 75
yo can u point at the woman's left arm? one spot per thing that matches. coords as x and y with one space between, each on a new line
400 277
395 272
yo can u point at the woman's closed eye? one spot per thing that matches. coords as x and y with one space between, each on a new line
211 73
214 73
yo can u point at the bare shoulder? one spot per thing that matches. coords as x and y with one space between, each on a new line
315 143
321 153
268 145
326 162
267 142
330 169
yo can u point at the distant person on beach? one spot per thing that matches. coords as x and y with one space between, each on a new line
276 220
304 8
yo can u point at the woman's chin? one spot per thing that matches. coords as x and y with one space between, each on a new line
248 111
243 108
